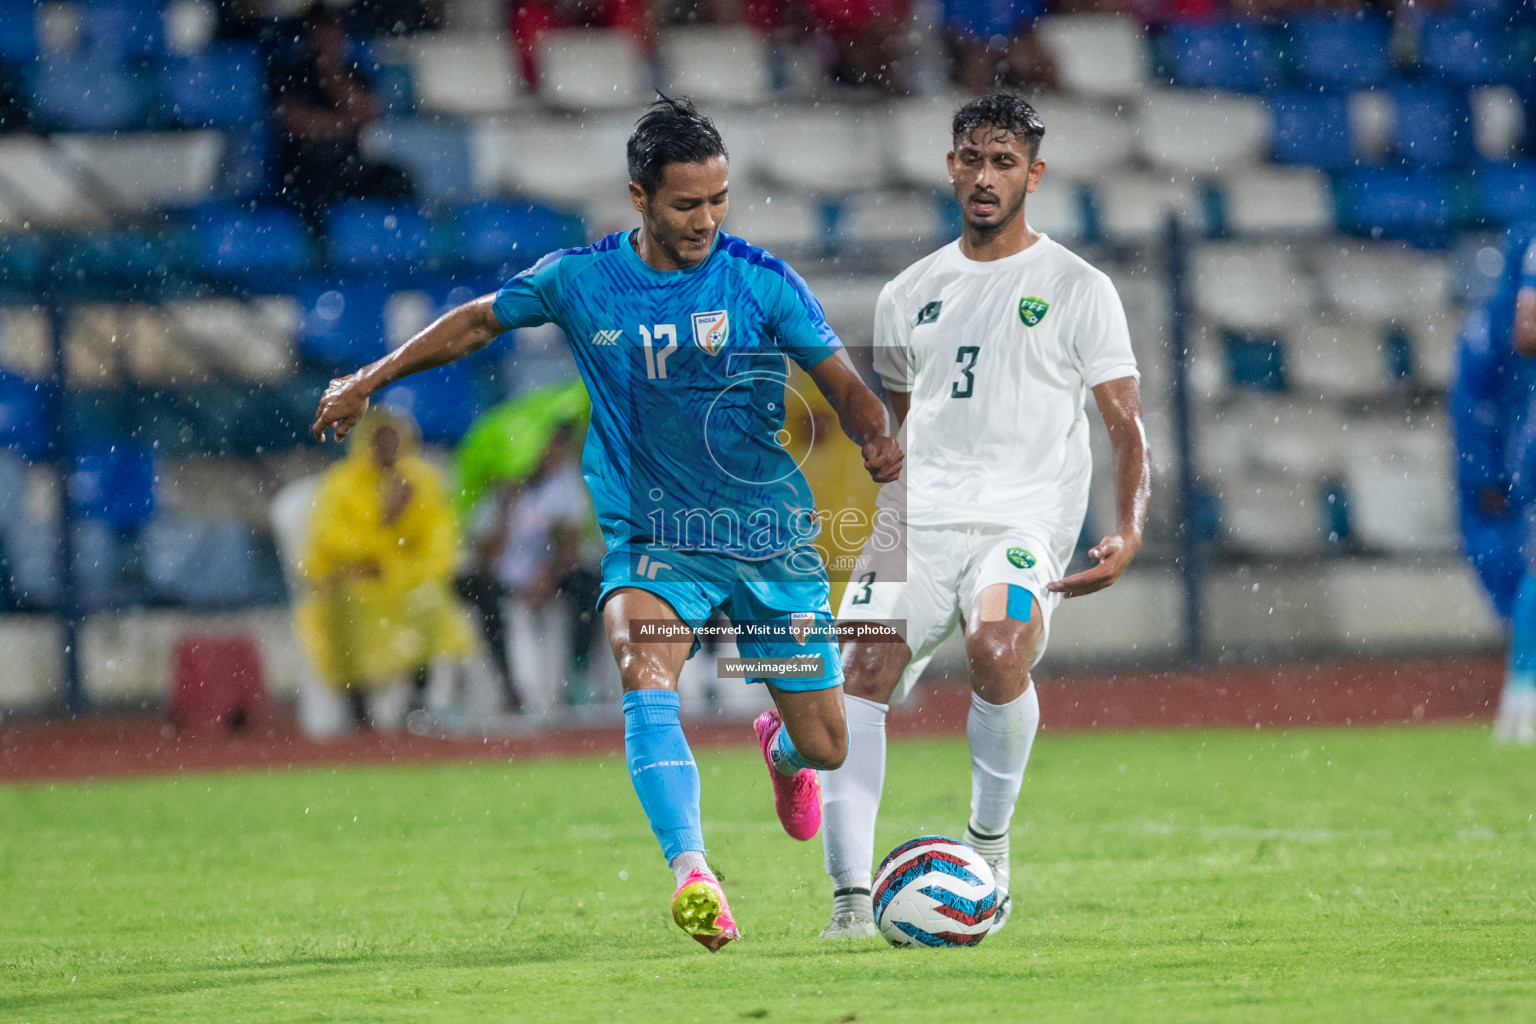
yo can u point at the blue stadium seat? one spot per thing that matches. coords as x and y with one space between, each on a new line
343 322
442 401
114 482
436 156
369 232
1389 203
199 561
32 562
1508 191
24 421
501 229
18 31
101 557
88 95
221 87
1346 52
1433 125
1231 55
1464 50
1311 128
115 29
239 242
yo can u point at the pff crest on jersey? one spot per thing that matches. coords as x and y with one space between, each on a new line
1032 310
712 330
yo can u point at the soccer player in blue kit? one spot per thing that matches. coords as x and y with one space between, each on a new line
682 335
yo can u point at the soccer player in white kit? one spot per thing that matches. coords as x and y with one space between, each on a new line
988 349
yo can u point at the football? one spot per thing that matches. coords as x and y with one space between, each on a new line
934 891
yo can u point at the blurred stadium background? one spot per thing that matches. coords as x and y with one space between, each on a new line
1340 175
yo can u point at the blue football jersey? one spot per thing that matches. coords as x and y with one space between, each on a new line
687 371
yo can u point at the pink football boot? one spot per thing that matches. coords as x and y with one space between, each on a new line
699 908
797 797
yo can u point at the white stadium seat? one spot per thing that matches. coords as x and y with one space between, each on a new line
1136 207
610 210
715 65
148 170
904 219
1337 359
1282 200
591 69
821 150
464 74
917 141
1098 54
26 342
250 340
1372 122
781 224
555 159
1498 121
1272 514
849 303
1086 138
1383 282
40 184
1400 487
1250 287
1202 132
1056 208
1299 437
1434 340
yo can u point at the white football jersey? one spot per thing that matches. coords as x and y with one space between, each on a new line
998 358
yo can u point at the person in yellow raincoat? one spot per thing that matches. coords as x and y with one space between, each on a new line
380 562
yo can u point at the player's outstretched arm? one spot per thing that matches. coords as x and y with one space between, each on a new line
862 415
453 335
1120 405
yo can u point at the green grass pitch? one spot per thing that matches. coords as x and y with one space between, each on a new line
1328 875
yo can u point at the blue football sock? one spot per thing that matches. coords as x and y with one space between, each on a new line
662 768
1522 640
786 759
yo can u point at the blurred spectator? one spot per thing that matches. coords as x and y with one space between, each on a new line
994 45
380 563
519 481
866 40
529 20
321 103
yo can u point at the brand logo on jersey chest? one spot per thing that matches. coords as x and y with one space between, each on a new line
1032 310
929 314
712 330
607 337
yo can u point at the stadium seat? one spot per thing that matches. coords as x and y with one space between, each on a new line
716 65
140 172
101 558
1082 139
586 69
1383 283
1433 126
442 401
1466 51
227 338
1055 208
1136 207
785 225
117 29
73 94
1498 121
343 322
1233 55
1337 359
917 140
208 562
1273 515
1279 200
189 26
1434 341
26 342
1198 132
508 229
435 155
1296 436
1249 287
1385 203
114 482
14 486
18 31
459 73
1507 191
1400 497
368 232
250 244
551 159
821 150
32 562
217 681
1346 51
1311 128
1372 125
24 416
218 87
873 220
849 303
1102 55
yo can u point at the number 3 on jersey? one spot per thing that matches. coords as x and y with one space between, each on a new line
965 355
656 362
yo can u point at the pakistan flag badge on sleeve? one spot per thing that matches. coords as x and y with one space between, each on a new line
1032 310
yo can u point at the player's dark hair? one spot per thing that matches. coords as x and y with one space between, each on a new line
1001 112
671 131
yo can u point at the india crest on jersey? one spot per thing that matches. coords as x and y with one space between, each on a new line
1032 310
711 330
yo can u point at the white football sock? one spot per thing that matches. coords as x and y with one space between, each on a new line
850 797
684 863
1000 736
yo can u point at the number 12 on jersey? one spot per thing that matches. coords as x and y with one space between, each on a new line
965 355
656 361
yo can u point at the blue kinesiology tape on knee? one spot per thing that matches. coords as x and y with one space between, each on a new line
1020 603
1522 639
786 758
661 766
